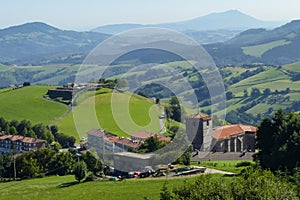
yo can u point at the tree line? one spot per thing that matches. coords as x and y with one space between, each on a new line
47 161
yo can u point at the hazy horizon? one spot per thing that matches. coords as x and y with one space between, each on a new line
86 15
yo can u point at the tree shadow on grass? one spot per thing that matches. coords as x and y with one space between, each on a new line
64 185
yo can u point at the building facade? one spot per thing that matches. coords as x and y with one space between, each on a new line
17 143
104 142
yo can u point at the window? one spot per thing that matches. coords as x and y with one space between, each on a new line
207 123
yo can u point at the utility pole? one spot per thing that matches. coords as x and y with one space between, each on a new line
15 171
14 159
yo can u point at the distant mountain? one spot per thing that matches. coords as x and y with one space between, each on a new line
229 20
278 46
38 43
116 28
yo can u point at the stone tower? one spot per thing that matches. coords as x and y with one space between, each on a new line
199 131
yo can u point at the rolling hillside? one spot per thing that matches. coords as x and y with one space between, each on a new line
278 46
278 88
267 88
26 103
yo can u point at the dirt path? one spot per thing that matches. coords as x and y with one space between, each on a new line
61 117
215 171
70 108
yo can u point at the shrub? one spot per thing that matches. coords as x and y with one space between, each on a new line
243 164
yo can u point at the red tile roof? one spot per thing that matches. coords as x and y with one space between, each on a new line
125 141
21 139
143 135
165 139
226 131
129 142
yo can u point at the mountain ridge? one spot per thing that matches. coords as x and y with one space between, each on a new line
37 42
229 20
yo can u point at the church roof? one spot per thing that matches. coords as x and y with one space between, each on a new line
226 131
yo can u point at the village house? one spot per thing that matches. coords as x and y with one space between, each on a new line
17 143
104 142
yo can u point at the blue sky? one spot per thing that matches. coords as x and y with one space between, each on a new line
88 14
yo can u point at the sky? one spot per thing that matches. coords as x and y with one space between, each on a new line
88 14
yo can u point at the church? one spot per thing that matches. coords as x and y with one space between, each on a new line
227 138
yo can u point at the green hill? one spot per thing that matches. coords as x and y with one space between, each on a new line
143 112
294 67
26 103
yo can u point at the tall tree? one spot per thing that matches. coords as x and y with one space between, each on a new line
174 111
278 142
79 170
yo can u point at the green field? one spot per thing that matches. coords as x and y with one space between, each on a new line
266 77
143 115
225 165
26 103
65 188
259 50
294 67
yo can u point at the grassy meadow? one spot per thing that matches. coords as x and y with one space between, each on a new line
26 103
225 165
66 188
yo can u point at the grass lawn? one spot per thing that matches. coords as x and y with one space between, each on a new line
224 165
5 90
129 114
64 187
26 103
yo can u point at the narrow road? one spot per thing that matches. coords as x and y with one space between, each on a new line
162 123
